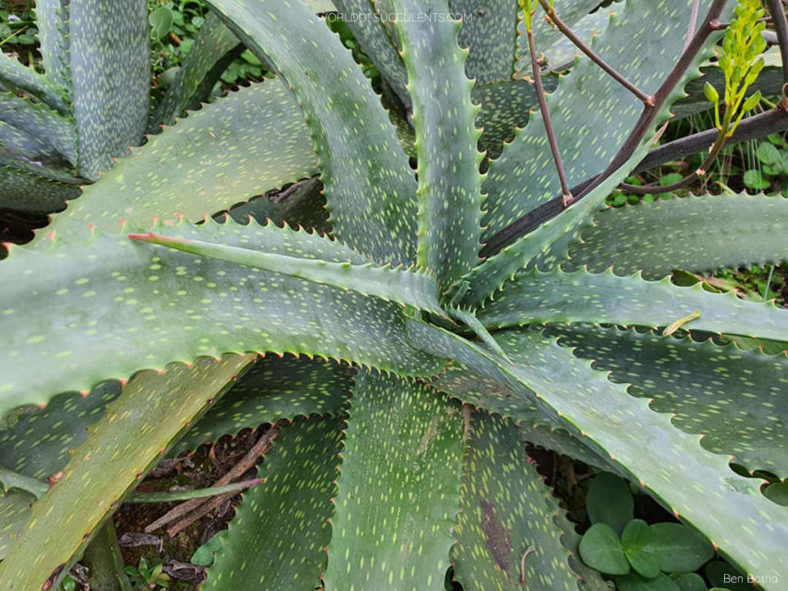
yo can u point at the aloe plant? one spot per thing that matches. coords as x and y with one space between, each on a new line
404 346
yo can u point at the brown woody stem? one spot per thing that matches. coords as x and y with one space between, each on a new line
567 197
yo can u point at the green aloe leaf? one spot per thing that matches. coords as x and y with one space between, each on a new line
370 23
16 74
335 268
592 114
20 147
506 514
398 489
46 125
53 35
489 30
110 67
144 292
558 297
278 536
138 427
271 390
543 247
365 172
733 398
201 68
25 192
38 443
449 190
14 515
698 486
562 53
206 162
481 391
702 233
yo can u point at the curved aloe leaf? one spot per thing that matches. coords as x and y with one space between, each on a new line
398 490
143 293
214 43
364 170
733 398
53 36
278 537
506 522
607 298
25 192
367 20
14 515
273 389
38 443
696 234
543 247
697 485
46 125
212 159
138 427
110 67
449 190
592 114
16 74
407 287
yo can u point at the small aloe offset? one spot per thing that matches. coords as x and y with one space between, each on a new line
404 331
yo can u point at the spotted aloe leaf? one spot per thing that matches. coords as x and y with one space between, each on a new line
407 287
14 515
110 68
278 536
449 180
274 389
398 489
543 247
62 422
201 68
368 19
364 170
16 75
607 298
24 191
53 35
206 162
44 124
695 234
159 289
592 114
733 398
506 536
138 427
669 464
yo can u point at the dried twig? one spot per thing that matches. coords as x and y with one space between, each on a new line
247 462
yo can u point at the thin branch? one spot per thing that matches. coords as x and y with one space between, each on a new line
781 27
567 197
551 209
646 99
693 24
757 126
648 116
687 180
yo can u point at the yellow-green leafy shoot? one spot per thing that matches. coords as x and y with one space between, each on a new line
741 62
